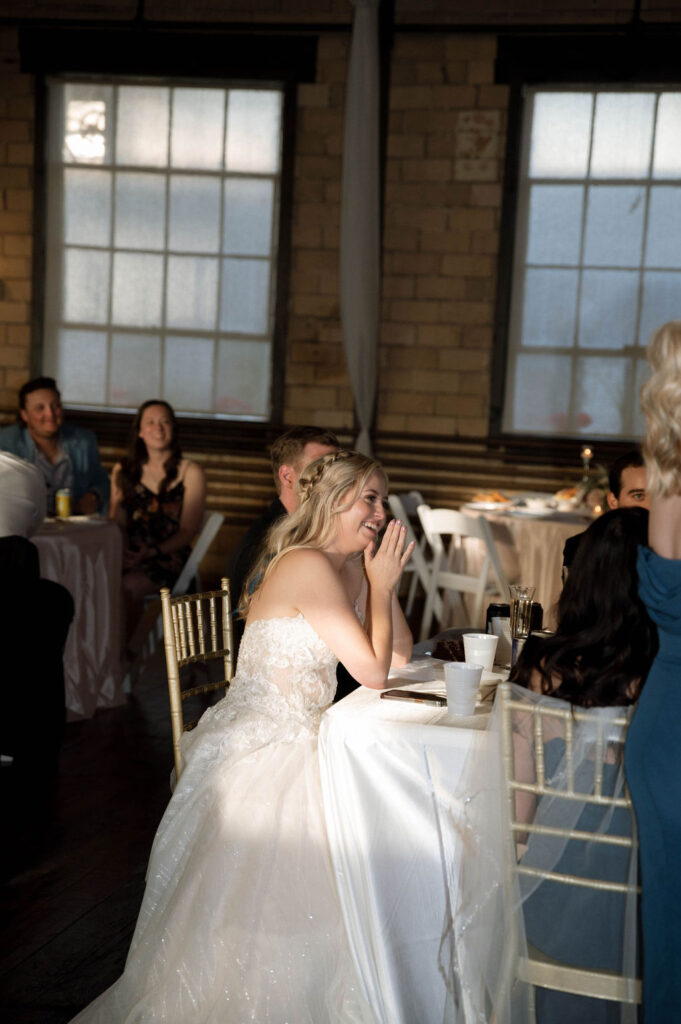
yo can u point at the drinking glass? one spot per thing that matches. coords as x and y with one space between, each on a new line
521 616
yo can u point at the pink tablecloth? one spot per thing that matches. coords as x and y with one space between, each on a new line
84 555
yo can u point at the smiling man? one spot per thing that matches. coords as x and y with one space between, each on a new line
66 456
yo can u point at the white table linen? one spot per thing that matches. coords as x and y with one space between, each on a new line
388 772
84 555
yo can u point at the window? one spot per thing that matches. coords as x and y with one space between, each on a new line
597 262
162 234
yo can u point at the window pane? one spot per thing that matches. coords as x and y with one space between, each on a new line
667 159
137 283
86 124
86 286
245 296
87 207
623 133
253 130
607 313
661 302
194 214
602 399
554 224
541 393
142 128
81 367
140 211
188 373
243 380
197 128
192 292
663 240
561 127
614 225
550 307
248 216
135 369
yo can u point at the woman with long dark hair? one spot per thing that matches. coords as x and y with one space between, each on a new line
605 642
157 498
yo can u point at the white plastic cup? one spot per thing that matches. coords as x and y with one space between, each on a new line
462 680
480 649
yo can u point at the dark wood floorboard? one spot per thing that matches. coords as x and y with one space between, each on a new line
73 858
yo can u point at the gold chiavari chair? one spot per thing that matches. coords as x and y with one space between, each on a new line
197 628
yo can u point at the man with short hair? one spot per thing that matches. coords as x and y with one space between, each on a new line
627 479
66 456
290 454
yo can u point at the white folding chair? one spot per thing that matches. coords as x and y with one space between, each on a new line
405 508
145 641
197 628
450 578
539 720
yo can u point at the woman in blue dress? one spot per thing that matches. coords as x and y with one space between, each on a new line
653 750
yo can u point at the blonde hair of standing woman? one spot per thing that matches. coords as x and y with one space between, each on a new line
661 401
329 485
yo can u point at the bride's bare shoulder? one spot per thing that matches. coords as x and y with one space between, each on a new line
299 560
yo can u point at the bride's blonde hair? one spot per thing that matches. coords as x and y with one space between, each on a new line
329 485
661 401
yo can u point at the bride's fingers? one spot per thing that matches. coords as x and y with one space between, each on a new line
407 553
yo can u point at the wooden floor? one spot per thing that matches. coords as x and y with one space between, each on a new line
74 859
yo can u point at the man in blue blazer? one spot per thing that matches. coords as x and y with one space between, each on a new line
67 456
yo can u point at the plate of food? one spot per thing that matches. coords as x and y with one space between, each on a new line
488 501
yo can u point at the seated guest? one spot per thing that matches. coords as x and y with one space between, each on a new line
290 454
627 481
66 456
35 615
157 498
599 656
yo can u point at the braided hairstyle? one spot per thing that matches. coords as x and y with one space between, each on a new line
329 485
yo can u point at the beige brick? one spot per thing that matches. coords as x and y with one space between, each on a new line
456 71
428 169
311 143
307 236
14 312
324 122
442 425
16 223
312 398
446 241
334 145
305 282
430 72
309 190
14 357
415 312
331 233
331 375
299 373
317 167
412 262
301 329
15 130
463 219
390 422
405 402
428 219
414 380
16 177
480 72
474 384
331 333
479 289
19 199
20 153
21 107
333 46
477 337
328 284
403 239
486 195
476 170
315 305
493 96
313 95
332 71
469 47
451 97
419 47
332 192
465 312
440 335
441 145
461 405
485 241
13 84
19 334
315 259
311 213
474 427
467 265
410 358
397 334
17 267
463 359
411 97
406 145
440 288
18 291
402 73
398 288
16 378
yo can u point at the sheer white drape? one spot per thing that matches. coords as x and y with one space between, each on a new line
360 217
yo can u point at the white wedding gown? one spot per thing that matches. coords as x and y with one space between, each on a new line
241 919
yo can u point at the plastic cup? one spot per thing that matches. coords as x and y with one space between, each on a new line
462 679
480 649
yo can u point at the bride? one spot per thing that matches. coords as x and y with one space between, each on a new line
240 919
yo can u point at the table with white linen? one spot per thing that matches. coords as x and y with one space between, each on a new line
389 770
530 546
84 554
